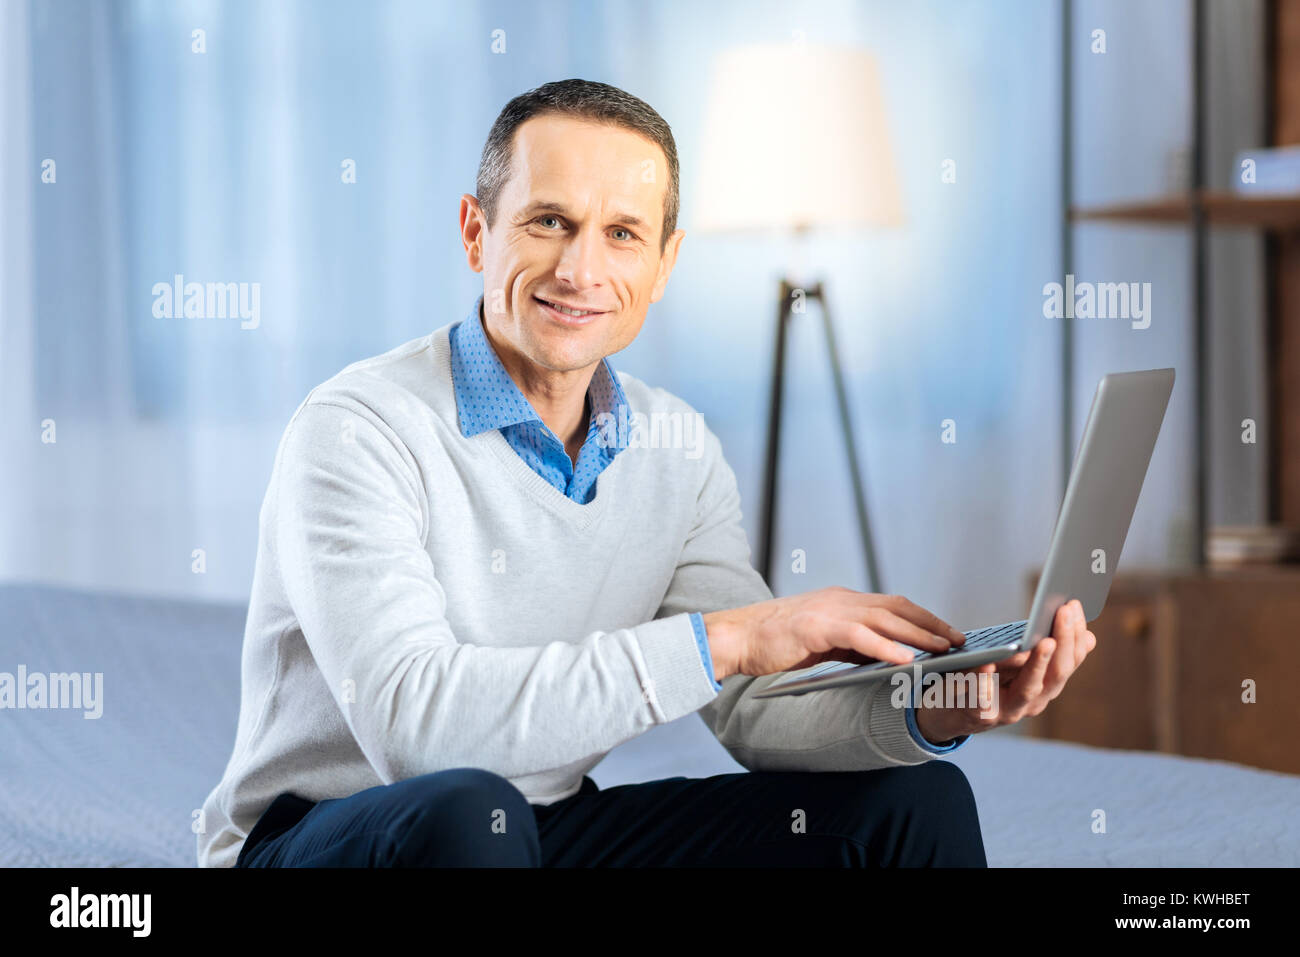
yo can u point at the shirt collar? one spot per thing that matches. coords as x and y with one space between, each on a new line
487 398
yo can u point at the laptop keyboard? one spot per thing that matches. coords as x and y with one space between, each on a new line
989 637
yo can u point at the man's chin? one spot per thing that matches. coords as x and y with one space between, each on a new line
568 363
568 351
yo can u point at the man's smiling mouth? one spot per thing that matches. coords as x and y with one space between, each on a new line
568 313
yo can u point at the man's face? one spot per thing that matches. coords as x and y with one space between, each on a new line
578 224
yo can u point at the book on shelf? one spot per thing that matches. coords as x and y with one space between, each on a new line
1232 545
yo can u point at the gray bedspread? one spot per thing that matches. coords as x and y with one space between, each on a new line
121 790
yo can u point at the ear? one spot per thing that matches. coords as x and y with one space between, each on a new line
473 226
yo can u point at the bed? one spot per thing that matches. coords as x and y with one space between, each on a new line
121 790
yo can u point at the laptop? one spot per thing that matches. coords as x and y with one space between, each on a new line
1118 439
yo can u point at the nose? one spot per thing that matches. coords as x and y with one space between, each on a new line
582 261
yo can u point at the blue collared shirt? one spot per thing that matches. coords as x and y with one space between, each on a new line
487 398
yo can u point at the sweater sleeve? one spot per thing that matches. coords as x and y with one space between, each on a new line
838 729
351 515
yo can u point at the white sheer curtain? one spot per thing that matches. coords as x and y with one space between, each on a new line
18 420
216 156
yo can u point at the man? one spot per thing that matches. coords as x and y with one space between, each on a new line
466 594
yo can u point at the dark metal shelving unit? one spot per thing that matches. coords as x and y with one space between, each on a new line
1196 215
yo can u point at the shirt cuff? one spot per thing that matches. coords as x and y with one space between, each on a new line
919 738
702 639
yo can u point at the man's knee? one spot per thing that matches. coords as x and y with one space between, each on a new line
936 817
464 817
943 785
920 815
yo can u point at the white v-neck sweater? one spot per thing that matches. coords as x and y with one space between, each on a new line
423 601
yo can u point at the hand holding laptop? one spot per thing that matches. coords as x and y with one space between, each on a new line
1027 681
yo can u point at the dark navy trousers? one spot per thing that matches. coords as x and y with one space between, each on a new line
913 816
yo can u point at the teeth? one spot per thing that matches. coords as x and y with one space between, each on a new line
569 312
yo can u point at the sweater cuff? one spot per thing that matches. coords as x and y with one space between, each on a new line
702 639
678 682
919 738
888 729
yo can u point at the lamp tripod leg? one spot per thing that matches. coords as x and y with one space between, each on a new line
874 581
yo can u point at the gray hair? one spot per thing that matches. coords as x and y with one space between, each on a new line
581 99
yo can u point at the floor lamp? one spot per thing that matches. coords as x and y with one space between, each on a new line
772 458
795 141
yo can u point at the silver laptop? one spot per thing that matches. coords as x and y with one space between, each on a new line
1111 464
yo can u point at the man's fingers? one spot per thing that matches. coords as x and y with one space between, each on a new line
1082 640
1069 617
1060 668
908 609
885 622
858 637
931 622
1015 662
1029 683
1069 630
1082 648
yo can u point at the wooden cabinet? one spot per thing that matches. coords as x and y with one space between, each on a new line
1174 650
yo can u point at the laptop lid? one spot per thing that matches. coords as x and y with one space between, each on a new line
1109 469
1101 496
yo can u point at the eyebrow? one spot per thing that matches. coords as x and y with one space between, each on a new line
544 206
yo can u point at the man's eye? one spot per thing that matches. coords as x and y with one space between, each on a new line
630 235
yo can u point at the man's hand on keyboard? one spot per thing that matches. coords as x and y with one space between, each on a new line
1026 681
831 624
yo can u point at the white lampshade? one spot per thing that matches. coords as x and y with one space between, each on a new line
795 138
